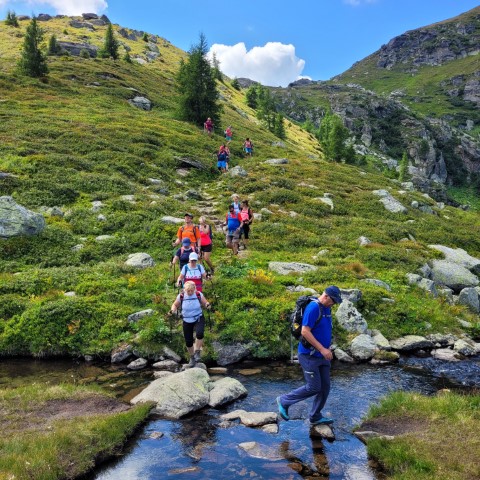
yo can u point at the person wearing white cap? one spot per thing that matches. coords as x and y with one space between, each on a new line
192 271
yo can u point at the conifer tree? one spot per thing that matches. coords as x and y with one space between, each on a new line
32 61
127 58
332 136
235 84
216 68
110 47
195 82
403 173
280 127
53 47
251 96
11 19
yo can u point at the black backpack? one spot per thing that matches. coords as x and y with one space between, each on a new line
296 318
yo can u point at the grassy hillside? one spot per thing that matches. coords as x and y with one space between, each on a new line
74 138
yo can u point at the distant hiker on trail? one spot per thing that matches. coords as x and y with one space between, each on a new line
234 225
246 215
248 146
227 151
189 230
192 271
208 126
237 206
222 159
228 135
206 248
191 302
314 355
182 255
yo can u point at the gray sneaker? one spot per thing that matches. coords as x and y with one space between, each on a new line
191 363
196 356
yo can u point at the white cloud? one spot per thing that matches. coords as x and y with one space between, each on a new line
274 64
64 7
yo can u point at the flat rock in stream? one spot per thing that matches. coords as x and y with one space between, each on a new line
263 452
322 431
251 419
226 390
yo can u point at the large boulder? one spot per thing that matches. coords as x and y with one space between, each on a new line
460 257
284 268
390 203
350 318
452 275
16 220
226 390
363 347
140 260
228 354
177 395
237 171
75 49
276 161
469 297
141 102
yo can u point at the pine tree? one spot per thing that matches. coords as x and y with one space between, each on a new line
332 135
110 47
32 61
235 84
280 127
11 19
127 58
403 173
251 96
195 82
217 73
53 47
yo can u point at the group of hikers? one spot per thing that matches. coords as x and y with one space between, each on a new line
223 154
314 348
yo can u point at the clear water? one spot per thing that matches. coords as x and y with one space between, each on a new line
198 447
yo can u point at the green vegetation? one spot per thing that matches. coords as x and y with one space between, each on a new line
11 19
403 173
433 428
111 45
75 139
53 432
32 62
53 47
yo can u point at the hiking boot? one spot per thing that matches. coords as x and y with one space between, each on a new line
282 410
191 363
322 421
196 356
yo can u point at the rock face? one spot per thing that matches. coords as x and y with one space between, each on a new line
284 268
350 318
75 49
16 220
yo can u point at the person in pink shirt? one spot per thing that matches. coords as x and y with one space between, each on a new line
206 248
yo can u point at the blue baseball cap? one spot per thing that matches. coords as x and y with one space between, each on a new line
186 241
334 293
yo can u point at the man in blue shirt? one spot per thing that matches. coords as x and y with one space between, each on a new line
314 355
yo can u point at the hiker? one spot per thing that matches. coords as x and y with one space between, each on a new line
227 153
191 302
222 159
228 135
192 271
248 146
189 230
236 203
246 215
208 126
314 355
183 253
234 225
206 248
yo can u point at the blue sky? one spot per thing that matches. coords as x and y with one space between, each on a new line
275 41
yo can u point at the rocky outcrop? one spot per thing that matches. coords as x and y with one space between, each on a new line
228 354
141 102
75 49
389 202
16 220
226 390
452 275
410 343
285 268
350 318
140 260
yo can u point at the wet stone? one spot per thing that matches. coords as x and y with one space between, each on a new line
250 371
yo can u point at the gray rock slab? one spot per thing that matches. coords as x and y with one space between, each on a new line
140 260
362 347
389 202
138 364
121 354
177 395
343 356
237 171
170 354
16 220
466 347
452 275
276 161
270 428
141 102
172 220
135 317
469 297
226 390
380 341
353 295
251 419
168 365
285 268
350 318
446 354
378 283
460 257
162 374
228 354
322 431
410 343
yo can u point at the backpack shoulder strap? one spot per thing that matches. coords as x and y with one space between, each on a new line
181 298
199 297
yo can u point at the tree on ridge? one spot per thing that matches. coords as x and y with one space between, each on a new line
33 62
110 47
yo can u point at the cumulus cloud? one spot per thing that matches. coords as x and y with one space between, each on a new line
65 7
274 64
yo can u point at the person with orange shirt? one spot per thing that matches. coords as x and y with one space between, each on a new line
189 230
